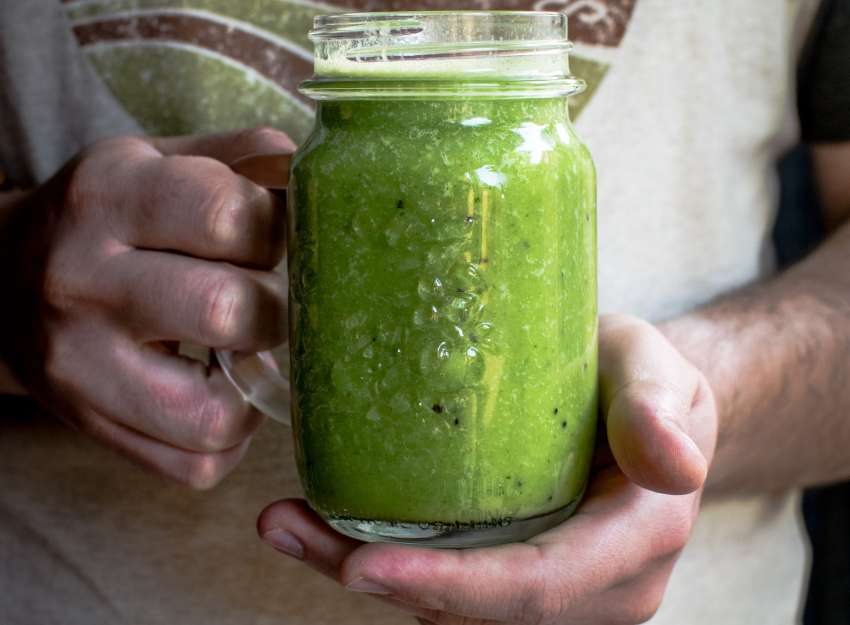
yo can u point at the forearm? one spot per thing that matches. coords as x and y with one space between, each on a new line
778 358
9 200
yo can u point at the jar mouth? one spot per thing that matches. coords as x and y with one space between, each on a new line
348 25
397 53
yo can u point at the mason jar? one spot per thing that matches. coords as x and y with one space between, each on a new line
442 264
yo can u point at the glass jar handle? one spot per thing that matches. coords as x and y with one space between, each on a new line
257 378
256 375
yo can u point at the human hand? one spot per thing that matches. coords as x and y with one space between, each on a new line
135 245
609 563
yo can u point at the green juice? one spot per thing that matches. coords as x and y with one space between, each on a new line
443 310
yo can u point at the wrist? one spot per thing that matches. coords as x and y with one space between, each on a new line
691 334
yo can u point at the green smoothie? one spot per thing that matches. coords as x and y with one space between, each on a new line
443 310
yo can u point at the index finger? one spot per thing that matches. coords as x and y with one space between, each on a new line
199 206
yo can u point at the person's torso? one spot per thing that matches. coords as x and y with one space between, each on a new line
688 106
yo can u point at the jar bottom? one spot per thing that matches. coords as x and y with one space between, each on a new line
452 535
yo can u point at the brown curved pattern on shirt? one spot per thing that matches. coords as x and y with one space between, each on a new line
265 57
593 22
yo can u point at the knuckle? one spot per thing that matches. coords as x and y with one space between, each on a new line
641 405
228 310
225 215
641 608
216 423
175 169
208 423
66 284
82 184
203 471
100 161
215 194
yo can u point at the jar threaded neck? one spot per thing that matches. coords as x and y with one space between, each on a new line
477 53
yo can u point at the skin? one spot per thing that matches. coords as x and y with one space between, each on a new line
667 403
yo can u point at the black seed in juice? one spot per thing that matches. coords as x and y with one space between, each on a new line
437 408
555 411
457 421
564 425
399 204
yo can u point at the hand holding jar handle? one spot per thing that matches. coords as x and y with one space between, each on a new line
136 245
256 374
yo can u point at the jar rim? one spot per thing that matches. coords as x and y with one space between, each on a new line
325 26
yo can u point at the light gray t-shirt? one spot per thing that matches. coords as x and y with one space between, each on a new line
688 107
51 102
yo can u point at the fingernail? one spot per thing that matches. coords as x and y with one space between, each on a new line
364 585
285 542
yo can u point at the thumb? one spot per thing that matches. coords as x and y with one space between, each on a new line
658 408
261 154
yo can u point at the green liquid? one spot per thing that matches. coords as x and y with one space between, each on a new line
443 310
